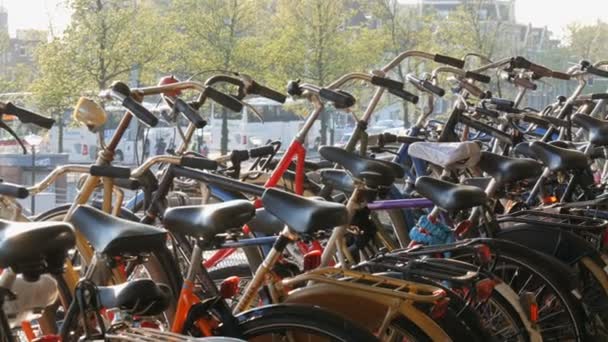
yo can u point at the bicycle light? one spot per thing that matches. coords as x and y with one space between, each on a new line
90 114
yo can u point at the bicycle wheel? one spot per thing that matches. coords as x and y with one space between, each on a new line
302 323
560 315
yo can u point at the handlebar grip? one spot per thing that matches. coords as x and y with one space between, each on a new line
266 92
198 163
110 171
261 151
433 88
190 113
238 156
26 116
386 82
560 75
341 99
521 62
455 62
13 190
487 112
596 71
223 99
404 94
502 102
477 77
599 96
140 112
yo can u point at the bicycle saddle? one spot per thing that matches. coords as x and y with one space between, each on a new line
374 173
114 236
303 215
142 297
208 220
524 148
558 158
34 248
450 196
338 180
448 155
597 128
265 223
506 169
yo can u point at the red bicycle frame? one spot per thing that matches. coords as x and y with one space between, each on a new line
296 151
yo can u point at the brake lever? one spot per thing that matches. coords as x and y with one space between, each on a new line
4 126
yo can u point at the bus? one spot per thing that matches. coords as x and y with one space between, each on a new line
245 130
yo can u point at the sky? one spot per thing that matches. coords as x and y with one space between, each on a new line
555 14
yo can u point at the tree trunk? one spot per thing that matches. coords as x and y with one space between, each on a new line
324 120
60 134
406 115
224 140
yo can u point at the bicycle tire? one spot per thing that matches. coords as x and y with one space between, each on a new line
279 318
546 269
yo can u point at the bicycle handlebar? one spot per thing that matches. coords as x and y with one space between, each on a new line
121 92
404 94
110 171
198 163
13 190
477 77
223 99
425 85
386 82
596 71
190 113
256 88
27 116
341 99
522 63
455 62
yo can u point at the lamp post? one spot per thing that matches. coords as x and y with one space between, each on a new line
33 140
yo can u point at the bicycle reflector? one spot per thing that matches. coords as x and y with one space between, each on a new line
549 199
484 288
169 80
230 287
463 227
312 260
529 304
484 254
440 308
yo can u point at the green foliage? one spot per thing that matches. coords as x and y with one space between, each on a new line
588 41
105 41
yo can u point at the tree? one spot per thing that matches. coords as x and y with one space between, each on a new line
588 41
105 41
401 26
318 41
215 35
471 28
